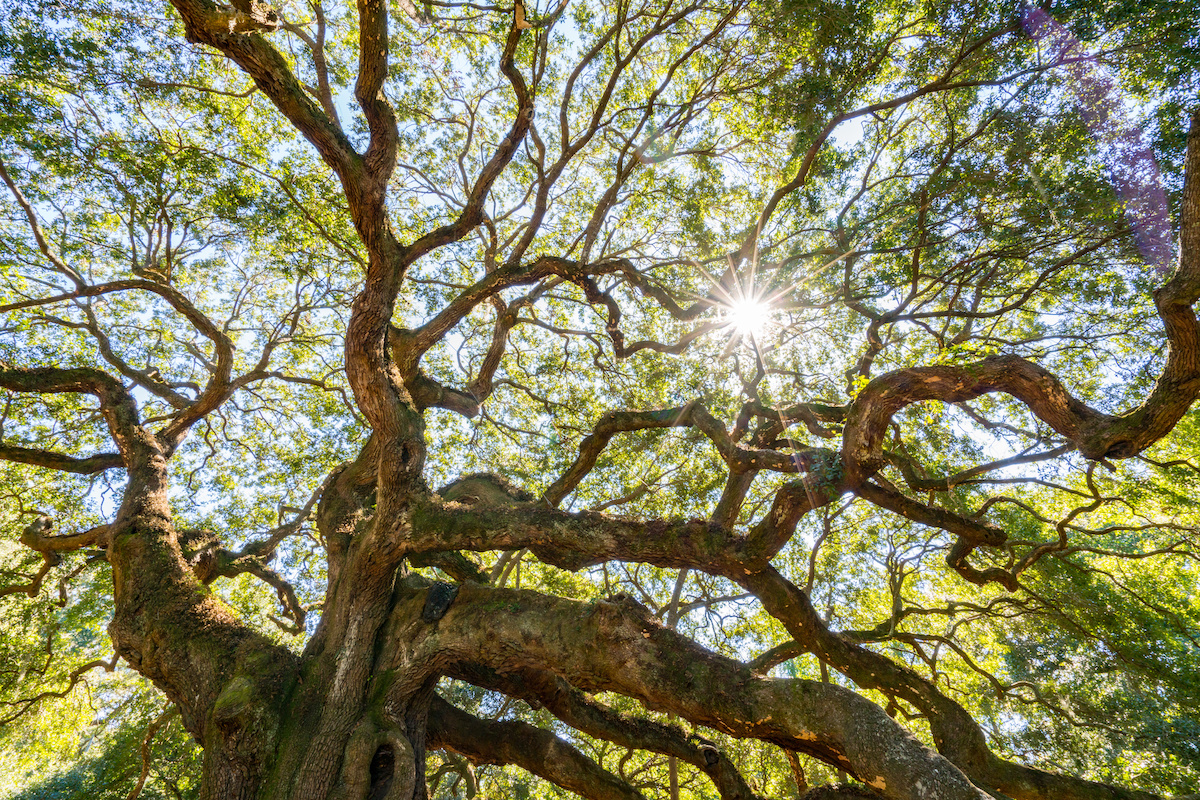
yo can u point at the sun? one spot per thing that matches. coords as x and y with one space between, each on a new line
746 310
748 316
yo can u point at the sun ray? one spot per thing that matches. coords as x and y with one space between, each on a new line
748 316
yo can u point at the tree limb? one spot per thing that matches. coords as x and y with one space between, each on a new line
529 747
614 646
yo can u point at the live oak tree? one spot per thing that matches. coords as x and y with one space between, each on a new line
664 397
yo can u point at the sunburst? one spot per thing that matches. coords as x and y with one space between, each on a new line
748 317
745 309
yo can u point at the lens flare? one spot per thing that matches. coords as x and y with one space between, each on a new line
748 317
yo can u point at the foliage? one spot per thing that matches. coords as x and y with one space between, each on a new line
899 185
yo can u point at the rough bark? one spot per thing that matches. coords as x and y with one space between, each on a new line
537 751
353 716
617 646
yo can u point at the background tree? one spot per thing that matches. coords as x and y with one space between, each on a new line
415 390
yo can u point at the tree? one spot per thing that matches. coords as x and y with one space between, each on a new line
582 364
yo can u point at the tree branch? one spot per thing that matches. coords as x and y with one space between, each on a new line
116 405
542 688
1096 435
88 465
955 732
530 748
231 32
616 646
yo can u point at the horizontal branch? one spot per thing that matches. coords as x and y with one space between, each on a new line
37 537
618 646
486 741
410 345
739 457
89 465
219 384
567 540
25 704
919 483
974 531
545 689
955 732
116 405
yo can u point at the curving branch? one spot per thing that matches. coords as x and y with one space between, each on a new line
1095 434
620 647
78 675
740 458
37 536
36 228
50 560
606 427
219 386
232 32
567 540
535 750
472 213
971 533
379 159
955 732
541 688
116 405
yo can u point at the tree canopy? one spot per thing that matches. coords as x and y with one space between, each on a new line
658 398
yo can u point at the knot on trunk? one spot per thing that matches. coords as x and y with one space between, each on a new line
437 601
379 764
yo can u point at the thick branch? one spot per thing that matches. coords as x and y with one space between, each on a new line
616 646
957 735
38 537
486 741
380 157
570 541
1097 435
89 465
542 688
227 30
219 385
974 531
116 405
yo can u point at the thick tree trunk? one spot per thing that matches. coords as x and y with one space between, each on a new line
350 719
228 682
